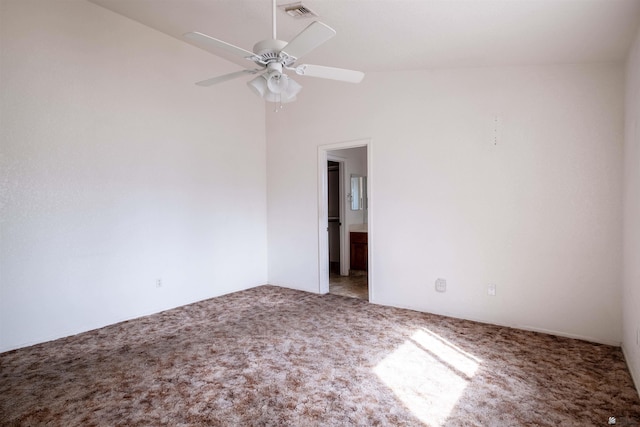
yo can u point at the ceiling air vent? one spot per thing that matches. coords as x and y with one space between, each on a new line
298 10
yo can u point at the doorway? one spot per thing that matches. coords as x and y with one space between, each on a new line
345 219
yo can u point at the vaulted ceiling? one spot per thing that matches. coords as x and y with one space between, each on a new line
385 35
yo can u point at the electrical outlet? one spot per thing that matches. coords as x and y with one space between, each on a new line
158 283
491 290
638 336
441 285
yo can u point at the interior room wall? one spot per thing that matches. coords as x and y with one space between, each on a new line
117 171
631 290
504 176
356 165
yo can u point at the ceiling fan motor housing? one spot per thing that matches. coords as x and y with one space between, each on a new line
269 50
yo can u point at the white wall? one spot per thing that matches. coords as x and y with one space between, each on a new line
117 170
631 289
538 214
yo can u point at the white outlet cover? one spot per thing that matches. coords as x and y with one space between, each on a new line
491 290
441 285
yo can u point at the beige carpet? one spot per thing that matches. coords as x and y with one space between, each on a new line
272 357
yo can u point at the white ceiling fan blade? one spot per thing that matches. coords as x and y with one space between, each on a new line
310 38
238 55
332 73
226 77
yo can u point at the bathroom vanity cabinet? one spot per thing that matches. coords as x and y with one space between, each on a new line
359 250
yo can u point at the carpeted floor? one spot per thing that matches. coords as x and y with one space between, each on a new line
270 356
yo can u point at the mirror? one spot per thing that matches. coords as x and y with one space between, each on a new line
358 192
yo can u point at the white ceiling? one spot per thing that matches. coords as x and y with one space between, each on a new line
385 35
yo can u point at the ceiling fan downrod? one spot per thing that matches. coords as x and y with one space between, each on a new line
273 18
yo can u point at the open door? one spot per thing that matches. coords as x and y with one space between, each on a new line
335 208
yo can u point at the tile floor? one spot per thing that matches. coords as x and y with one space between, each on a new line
355 286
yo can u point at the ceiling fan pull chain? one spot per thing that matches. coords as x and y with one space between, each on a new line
278 104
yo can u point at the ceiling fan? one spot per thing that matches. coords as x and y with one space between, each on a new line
271 57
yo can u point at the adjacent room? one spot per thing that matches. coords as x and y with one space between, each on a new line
428 215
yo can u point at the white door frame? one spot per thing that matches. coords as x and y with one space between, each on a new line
323 213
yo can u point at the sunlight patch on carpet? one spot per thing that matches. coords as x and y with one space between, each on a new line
428 374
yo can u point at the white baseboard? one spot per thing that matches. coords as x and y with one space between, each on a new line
568 335
634 375
507 325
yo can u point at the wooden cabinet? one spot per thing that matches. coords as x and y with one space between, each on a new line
359 250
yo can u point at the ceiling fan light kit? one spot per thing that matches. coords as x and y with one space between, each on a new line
271 57
284 91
